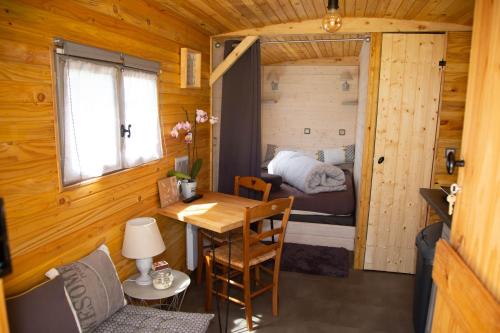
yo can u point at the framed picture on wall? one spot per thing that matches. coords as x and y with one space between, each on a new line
190 68
168 190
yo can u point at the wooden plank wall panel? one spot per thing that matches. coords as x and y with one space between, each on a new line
48 227
451 117
308 96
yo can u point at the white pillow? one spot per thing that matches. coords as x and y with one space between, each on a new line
333 155
306 152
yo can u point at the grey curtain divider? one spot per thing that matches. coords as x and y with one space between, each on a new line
240 129
94 53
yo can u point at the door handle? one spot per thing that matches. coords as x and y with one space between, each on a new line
381 160
451 163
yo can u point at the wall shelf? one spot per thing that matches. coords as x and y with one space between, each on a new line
352 102
269 100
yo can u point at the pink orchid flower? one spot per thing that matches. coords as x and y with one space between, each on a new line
179 126
201 116
188 138
214 120
186 126
174 132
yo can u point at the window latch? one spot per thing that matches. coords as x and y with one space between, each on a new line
123 131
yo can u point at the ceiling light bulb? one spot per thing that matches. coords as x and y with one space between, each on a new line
332 21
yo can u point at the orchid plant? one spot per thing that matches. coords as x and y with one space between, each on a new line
187 132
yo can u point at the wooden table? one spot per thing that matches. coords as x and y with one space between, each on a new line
169 299
216 211
436 198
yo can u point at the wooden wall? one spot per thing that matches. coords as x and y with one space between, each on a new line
308 96
48 227
451 117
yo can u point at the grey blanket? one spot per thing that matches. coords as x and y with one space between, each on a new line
306 173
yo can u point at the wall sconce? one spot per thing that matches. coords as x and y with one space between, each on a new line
346 76
274 78
274 85
345 86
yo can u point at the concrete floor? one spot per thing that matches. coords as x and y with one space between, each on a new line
366 301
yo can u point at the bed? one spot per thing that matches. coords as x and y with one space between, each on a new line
326 219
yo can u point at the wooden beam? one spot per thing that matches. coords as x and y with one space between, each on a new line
472 305
232 57
350 25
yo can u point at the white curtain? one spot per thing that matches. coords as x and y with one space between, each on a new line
141 111
91 137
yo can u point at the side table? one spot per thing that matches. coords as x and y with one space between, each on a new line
168 299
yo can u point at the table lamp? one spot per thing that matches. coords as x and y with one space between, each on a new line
142 241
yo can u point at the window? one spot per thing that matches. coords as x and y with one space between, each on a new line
107 111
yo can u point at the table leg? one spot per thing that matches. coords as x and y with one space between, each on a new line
182 300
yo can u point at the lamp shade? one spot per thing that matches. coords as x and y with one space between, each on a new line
142 239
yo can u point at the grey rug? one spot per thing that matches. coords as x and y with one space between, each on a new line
316 260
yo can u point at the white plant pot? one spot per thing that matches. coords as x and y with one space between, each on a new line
188 188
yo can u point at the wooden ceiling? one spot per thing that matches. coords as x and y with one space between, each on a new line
219 16
277 53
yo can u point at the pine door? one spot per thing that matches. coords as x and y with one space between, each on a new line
408 106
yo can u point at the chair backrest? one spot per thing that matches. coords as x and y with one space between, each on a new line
254 184
258 213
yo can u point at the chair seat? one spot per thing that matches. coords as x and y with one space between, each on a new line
222 254
236 234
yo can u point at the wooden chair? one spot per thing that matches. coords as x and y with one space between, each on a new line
250 183
249 253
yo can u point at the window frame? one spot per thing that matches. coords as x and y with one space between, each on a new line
59 56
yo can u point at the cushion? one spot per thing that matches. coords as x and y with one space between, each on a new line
349 153
332 155
272 150
275 180
303 151
131 319
336 155
44 309
93 287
